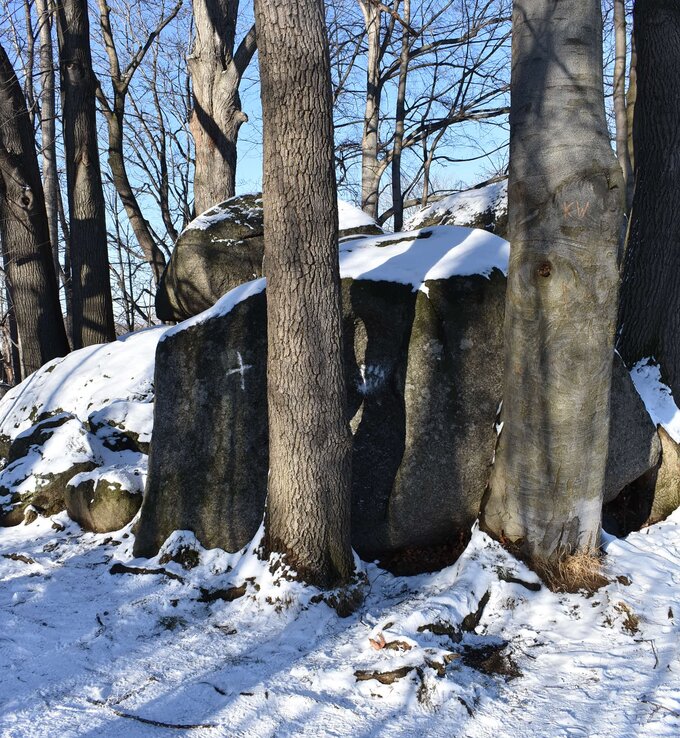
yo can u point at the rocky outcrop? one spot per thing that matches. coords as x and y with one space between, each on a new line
423 373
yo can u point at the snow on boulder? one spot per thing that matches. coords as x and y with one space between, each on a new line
481 207
90 409
223 248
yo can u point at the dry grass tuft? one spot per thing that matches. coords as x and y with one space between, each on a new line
572 572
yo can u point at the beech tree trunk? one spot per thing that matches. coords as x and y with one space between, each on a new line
24 231
216 73
308 503
92 310
565 217
649 317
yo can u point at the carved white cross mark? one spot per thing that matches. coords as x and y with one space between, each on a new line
240 369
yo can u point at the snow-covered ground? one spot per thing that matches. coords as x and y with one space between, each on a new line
86 651
96 643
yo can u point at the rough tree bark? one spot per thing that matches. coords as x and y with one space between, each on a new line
92 310
48 127
24 231
216 73
649 314
565 216
308 504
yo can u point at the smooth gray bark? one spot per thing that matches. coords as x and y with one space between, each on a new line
24 232
216 72
649 317
565 215
308 503
92 308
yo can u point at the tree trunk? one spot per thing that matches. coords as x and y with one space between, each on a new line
48 128
620 111
400 117
217 117
308 503
92 310
27 255
649 317
565 216
370 166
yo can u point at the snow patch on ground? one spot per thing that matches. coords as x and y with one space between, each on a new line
89 648
657 397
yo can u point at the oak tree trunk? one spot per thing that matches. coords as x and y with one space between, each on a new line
216 72
308 503
649 316
92 310
565 215
24 231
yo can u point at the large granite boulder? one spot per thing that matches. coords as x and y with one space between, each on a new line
423 320
223 248
422 360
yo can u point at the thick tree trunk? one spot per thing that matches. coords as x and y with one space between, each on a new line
24 232
649 317
565 216
48 128
370 165
92 311
308 503
216 73
620 110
